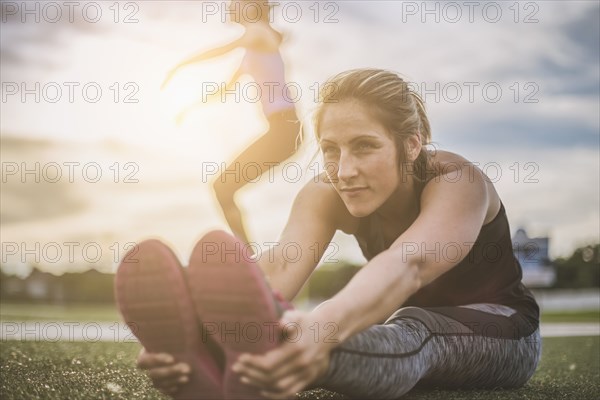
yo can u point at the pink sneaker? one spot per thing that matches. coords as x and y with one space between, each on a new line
154 301
238 309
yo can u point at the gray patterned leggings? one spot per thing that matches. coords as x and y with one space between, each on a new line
488 348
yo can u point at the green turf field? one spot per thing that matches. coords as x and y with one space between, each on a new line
53 312
572 316
34 370
100 313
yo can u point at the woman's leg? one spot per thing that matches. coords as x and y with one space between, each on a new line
275 146
420 345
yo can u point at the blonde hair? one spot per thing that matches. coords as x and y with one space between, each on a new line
390 100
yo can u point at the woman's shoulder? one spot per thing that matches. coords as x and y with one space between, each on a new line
319 196
451 167
443 161
262 37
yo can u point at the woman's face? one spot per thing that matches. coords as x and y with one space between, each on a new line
360 157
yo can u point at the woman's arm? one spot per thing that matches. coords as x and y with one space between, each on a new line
218 95
255 38
205 55
259 37
313 220
312 223
451 212
212 53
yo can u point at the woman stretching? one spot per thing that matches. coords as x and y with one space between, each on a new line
264 64
439 303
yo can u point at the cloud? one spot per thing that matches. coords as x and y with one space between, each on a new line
26 194
506 132
584 32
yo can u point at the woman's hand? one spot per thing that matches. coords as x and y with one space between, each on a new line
166 375
170 75
300 360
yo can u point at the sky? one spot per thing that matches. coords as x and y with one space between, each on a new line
513 86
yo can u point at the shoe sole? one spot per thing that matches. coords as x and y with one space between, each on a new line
154 300
235 304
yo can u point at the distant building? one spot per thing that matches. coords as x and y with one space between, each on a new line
38 286
532 253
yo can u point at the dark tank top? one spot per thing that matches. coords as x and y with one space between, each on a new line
490 273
